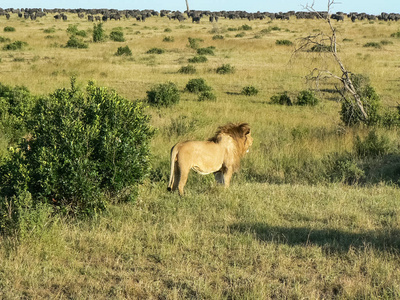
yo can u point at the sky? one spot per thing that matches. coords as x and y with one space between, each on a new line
367 6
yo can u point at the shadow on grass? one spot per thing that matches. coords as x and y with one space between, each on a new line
331 240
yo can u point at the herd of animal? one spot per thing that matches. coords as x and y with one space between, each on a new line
194 15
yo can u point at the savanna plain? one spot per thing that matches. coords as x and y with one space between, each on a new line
309 215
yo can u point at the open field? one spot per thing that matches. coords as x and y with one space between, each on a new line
285 228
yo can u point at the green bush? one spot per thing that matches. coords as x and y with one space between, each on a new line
49 30
249 91
9 29
155 51
284 42
396 34
320 48
164 94
117 36
373 45
282 99
207 95
245 27
225 69
15 109
372 145
206 51
350 113
168 39
345 169
4 40
198 59
98 33
123 51
218 37
74 42
194 43
189 69
197 85
239 35
82 146
307 97
17 45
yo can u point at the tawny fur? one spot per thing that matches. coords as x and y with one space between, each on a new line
220 155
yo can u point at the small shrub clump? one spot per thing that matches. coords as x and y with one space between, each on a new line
198 59
163 94
206 51
123 51
117 36
396 34
168 39
320 48
282 99
225 69
372 45
207 96
372 145
350 113
249 91
284 42
74 42
218 37
17 45
4 39
194 43
197 85
245 27
307 97
189 69
99 34
9 29
155 51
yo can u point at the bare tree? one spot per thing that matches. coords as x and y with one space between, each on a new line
318 42
187 8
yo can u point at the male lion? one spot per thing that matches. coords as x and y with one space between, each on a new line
220 155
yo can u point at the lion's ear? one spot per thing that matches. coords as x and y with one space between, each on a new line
247 131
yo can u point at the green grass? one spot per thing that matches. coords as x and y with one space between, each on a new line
282 230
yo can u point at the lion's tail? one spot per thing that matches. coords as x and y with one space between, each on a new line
174 153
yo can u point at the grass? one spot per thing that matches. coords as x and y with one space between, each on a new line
279 231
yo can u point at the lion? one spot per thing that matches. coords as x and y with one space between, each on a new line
220 155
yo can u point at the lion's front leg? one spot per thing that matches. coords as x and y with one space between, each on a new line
219 177
227 177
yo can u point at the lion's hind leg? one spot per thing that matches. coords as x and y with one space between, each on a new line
219 177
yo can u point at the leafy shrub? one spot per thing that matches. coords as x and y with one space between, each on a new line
4 40
155 51
245 27
17 45
167 30
198 59
218 37
282 99
82 146
168 39
98 33
123 51
197 85
307 97
386 42
346 170
9 29
180 126
194 43
239 35
350 114
49 30
189 69
372 145
117 36
373 45
396 34
284 42
206 51
225 69
249 91
15 108
163 94
74 42
320 48
207 95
